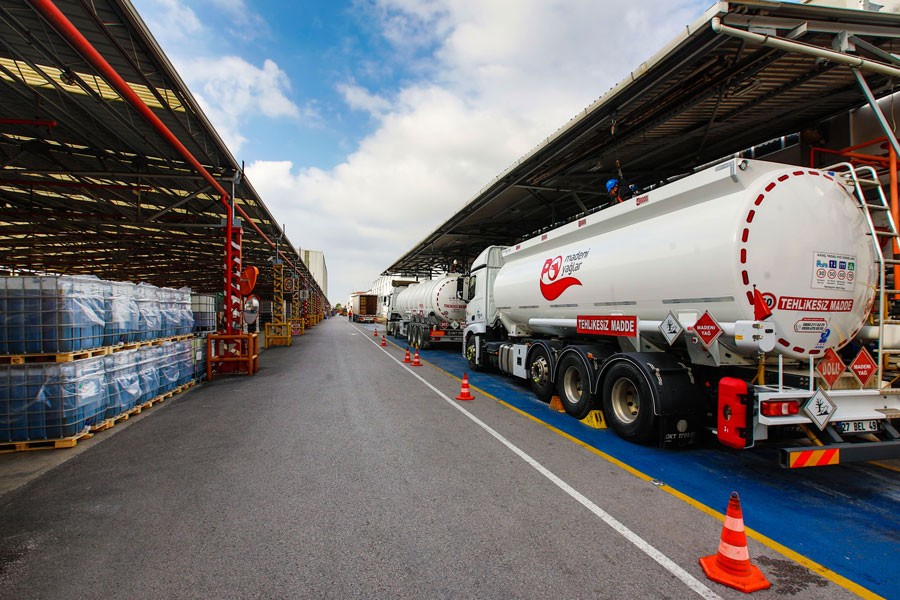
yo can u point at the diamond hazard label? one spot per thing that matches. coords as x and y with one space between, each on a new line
863 367
830 367
707 329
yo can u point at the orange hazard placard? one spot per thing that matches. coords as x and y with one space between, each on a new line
830 367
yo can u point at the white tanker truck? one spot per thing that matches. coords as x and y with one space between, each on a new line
701 305
428 312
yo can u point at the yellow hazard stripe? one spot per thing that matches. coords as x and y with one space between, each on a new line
765 541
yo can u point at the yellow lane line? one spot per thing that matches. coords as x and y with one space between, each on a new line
765 541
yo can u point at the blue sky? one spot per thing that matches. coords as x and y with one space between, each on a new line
364 124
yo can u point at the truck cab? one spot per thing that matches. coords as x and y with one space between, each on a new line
481 311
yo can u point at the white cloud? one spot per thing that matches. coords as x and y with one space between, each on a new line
359 98
176 22
485 83
504 76
231 90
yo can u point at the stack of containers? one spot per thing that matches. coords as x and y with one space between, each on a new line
50 400
51 314
123 382
149 317
62 314
121 314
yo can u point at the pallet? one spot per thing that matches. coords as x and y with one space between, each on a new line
154 342
68 442
60 357
106 424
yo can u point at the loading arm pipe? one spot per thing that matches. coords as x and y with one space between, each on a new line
65 27
801 48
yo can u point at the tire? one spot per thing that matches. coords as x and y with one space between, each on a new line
539 374
573 383
414 336
628 403
471 343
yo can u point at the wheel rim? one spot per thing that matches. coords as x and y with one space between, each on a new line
540 370
625 401
572 389
470 351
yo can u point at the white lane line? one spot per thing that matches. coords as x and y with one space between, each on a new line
639 542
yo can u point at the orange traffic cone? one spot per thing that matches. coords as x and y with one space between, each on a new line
556 404
406 358
416 362
375 334
464 393
383 341
731 564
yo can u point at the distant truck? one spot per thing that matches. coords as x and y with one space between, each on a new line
428 312
363 307
703 305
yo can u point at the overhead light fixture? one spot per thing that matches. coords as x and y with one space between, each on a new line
67 76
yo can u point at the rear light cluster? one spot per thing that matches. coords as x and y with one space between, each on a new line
780 408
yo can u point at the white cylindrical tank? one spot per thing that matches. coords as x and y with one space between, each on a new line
701 244
436 296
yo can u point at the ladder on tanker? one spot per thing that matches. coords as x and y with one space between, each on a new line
866 183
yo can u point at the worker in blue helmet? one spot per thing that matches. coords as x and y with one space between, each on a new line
619 193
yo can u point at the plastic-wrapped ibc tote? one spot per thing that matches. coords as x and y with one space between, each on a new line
149 317
122 382
184 361
121 313
51 400
81 397
169 370
148 359
13 316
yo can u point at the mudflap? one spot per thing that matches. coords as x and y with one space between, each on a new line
679 431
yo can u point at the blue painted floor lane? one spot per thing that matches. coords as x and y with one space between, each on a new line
845 517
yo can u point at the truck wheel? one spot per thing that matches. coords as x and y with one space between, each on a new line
470 353
573 384
539 374
628 403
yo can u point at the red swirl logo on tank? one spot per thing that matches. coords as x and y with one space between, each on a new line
552 286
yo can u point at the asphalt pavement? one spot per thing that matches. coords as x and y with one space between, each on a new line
339 472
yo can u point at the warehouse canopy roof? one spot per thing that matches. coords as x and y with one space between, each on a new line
706 95
88 186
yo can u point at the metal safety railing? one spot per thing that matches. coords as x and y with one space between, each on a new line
865 178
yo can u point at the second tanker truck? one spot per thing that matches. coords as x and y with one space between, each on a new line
703 305
428 312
